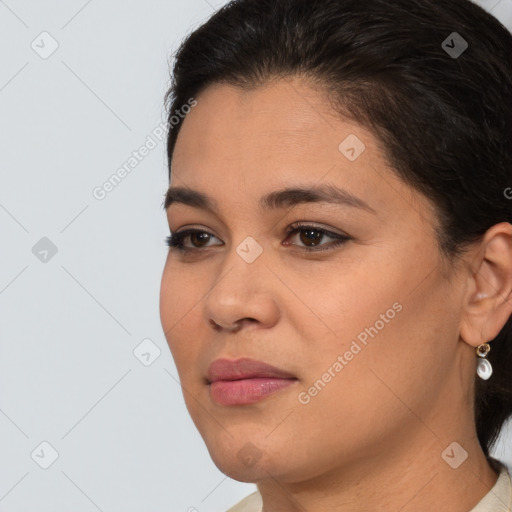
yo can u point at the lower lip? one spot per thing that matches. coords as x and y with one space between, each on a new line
246 391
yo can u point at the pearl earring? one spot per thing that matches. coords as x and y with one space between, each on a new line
484 368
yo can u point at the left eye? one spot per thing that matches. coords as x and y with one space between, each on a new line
312 236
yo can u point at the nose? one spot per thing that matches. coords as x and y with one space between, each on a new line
244 294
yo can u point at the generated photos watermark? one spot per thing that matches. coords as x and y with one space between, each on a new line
304 397
156 136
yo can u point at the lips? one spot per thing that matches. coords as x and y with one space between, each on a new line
245 368
245 381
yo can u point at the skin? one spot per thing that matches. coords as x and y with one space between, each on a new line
373 437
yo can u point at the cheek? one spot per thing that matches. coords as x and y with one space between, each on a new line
347 300
179 306
385 328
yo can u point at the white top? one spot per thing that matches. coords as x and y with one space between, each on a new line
498 499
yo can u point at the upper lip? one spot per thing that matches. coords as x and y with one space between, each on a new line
245 368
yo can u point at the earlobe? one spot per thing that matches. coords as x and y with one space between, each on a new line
488 303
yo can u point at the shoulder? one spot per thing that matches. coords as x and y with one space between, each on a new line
499 498
251 503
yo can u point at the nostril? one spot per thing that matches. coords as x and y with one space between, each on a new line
233 328
216 326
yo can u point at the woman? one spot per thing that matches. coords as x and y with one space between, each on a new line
337 295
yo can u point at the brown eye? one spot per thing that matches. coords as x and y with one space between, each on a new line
308 237
201 237
311 236
198 239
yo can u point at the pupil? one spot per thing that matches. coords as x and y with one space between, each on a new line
310 236
203 236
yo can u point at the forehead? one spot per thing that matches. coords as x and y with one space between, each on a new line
282 115
282 125
239 143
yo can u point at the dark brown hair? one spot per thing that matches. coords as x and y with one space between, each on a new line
444 120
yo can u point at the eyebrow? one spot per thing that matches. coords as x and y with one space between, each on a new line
325 193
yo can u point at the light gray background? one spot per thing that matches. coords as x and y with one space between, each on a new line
70 324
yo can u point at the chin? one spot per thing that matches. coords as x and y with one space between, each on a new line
243 474
241 459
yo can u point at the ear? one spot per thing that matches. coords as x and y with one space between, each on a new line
488 303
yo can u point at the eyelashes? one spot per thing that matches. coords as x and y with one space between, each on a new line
308 232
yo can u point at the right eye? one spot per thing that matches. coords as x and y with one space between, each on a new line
177 239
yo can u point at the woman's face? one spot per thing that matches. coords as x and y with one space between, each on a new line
369 328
